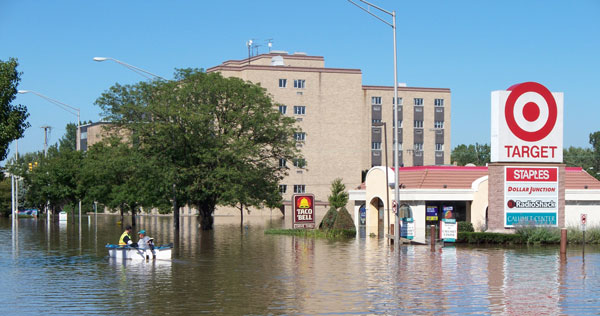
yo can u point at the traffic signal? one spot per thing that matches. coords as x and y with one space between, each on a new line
30 166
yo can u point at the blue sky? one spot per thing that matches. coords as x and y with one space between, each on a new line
471 47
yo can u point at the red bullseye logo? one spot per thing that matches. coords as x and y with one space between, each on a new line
531 112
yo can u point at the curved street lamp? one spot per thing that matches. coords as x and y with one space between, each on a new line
131 67
397 176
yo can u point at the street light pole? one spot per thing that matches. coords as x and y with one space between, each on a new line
395 116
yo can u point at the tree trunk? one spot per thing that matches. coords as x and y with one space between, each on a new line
121 210
175 210
205 212
241 215
132 216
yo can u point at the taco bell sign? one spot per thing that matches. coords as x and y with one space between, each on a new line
527 124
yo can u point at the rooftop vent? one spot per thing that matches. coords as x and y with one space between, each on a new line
300 53
402 84
282 52
277 61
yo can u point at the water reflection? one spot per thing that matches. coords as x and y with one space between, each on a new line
236 269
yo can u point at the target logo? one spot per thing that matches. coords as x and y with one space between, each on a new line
527 124
530 111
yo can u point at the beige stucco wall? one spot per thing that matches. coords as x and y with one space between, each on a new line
479 204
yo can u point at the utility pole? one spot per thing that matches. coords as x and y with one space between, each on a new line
46 128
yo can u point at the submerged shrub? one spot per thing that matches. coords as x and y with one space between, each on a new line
465 227
328 219
344 221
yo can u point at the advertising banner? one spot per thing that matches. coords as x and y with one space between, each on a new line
447 212
304 210
431 213
530 196
407 230
448 230
527 124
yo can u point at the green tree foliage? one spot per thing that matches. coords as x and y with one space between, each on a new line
121 177
595 142
56 180
578 157
343 220
478 154
5 197
329 219
218 140
69 140
339 196
12 117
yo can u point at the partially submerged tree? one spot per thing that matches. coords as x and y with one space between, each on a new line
344 220
218 140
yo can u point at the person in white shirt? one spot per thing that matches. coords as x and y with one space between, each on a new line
145 242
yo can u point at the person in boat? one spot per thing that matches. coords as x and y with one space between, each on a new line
126 239
145 242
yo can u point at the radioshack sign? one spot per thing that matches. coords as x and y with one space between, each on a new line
527 124
304 211
530 196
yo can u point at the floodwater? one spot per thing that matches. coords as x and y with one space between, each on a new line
233 270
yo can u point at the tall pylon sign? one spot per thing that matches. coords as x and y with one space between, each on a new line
526 172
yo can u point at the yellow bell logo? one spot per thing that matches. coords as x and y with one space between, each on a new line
304 203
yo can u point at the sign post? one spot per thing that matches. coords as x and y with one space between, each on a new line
304 211
583 222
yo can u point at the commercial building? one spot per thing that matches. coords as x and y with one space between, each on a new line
341 118
463 190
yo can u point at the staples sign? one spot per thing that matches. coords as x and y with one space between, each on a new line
527 124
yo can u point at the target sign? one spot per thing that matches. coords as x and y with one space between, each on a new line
527 124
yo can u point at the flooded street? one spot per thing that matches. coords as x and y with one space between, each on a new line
233 270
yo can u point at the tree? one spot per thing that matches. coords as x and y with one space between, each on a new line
5 197
595 142
120 177
339 196
344 220
578 157
478 154
12 117
69 139
217 140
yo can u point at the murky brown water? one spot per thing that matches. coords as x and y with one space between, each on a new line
241 271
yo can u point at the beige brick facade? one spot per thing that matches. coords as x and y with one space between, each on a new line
338 119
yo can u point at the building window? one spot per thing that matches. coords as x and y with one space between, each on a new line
438 102
418 147
418 101
299 83
418 124
439 147
376 130
376 100
84 135
438 124
300 136
299 188
376 121
282 162
299 109
282 188
399 147
399 124
399 101
300 163
376 145
282 83
282 109
377 108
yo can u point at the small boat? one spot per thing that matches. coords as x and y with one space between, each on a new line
162 252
